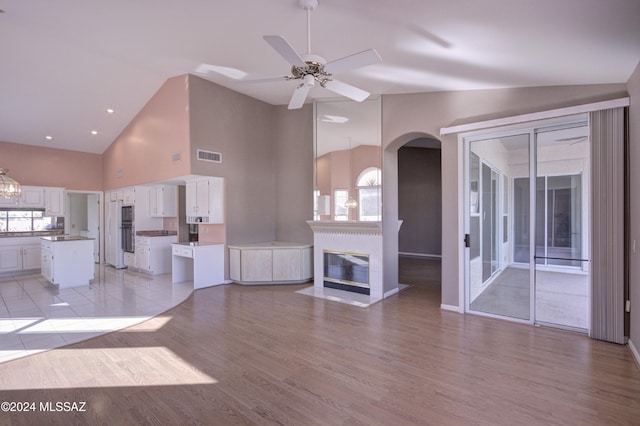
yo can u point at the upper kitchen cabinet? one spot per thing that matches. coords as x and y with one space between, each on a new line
129 196
126 195
31 197
54 201
205 200
163 201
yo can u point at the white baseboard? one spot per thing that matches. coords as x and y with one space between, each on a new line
431 256
450 308
635 353
391 292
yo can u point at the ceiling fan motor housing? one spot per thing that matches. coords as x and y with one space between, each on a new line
315 68
309 4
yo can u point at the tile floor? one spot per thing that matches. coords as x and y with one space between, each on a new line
562 299
37 316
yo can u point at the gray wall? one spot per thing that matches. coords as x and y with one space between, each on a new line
420 201
268 162
634 232
294 173
242 129
407 116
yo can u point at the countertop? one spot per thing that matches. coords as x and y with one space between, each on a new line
159 233
50 233
270 245
62 238
195 244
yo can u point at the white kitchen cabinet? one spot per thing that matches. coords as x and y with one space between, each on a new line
203 264
142 254
129 259
271 262
67 261
10 259
153 254
205 200
163 201
31 197
142 218
9 202
129 196
54 201
19 258
256 265
31 257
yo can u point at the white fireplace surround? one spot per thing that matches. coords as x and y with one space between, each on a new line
348 236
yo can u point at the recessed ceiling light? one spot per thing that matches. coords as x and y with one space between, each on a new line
49 138
94 132
111 111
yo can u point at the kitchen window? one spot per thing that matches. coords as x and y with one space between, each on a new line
26 220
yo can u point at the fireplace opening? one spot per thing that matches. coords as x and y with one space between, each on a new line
346 271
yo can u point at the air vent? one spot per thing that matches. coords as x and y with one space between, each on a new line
214 157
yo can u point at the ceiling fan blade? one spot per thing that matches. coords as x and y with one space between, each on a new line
282 46
351 62
261 79
347 90
299 96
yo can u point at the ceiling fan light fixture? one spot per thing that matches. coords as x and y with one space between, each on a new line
309 80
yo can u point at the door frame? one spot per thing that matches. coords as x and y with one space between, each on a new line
100 211
464 141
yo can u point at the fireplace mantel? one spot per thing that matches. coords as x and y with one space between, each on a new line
346 227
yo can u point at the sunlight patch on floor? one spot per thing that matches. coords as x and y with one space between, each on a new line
106 367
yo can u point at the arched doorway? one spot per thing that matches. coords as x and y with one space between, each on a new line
412 194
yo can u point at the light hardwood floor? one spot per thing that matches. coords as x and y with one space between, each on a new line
266 355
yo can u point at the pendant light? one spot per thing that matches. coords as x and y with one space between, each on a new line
9 188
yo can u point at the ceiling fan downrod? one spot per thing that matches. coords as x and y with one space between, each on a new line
309 6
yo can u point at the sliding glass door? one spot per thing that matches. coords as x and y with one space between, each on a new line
527 239
562 237
496 285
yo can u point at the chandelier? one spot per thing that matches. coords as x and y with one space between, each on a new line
9 188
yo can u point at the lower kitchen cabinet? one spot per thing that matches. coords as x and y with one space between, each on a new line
271 262
19 258
153 254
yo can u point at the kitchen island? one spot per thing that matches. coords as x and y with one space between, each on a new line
67 261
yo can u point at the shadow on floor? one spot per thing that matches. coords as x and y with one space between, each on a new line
423 275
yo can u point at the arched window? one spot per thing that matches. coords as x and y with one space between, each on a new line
369 186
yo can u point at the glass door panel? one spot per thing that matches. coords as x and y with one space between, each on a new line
562 268
499 280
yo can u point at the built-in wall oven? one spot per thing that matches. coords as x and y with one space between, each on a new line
128 234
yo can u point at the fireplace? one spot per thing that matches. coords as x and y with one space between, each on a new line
346 271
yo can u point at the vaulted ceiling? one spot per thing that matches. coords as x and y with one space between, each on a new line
65 62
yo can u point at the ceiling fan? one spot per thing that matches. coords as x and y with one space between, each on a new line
309 68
